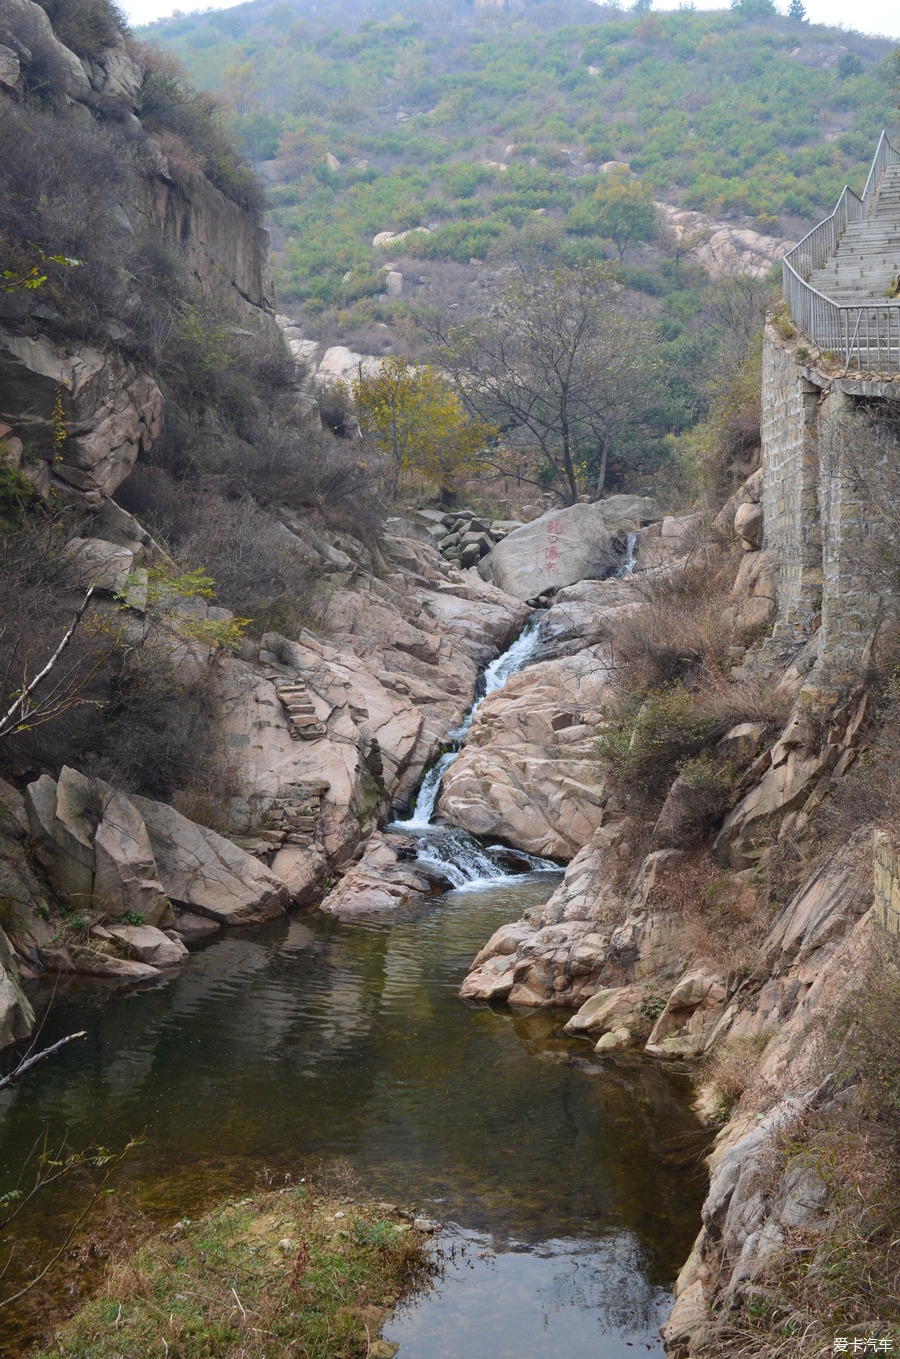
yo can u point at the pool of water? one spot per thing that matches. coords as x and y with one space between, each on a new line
573 1182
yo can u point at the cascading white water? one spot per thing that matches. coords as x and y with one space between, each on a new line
627 566
428 794
494 678
460 858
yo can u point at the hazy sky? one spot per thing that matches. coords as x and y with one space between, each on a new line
869 16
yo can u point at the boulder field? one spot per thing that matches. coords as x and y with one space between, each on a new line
323 738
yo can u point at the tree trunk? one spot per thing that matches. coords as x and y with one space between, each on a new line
601 475
569 470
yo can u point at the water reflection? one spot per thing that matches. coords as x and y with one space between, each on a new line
313 1040
564 1297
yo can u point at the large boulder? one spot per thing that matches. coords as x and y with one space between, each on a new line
686 1024
611 1008
529 772
93 561
386 878
16 1014
207 873
95 848
146 944
559 548
94 962
340 364
629 511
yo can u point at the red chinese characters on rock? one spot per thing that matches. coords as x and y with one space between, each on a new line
548 556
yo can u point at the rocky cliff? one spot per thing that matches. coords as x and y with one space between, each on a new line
705 912
78 412
734 919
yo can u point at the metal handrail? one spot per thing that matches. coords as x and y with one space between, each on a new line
869 334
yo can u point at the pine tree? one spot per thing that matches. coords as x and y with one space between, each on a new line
797 11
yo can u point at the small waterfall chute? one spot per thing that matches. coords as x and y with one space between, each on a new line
467 864
495 676
459 858
626 567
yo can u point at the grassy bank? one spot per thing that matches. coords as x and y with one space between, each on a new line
277 1274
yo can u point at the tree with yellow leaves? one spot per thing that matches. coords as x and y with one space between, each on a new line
417 423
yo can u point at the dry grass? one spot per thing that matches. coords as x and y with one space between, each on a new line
837 1274
731 1069
679 633
722 920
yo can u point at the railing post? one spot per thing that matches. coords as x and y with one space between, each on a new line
817 316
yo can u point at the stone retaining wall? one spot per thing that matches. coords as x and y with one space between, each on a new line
816 520
789 498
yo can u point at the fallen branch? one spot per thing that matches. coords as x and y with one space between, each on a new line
25 1066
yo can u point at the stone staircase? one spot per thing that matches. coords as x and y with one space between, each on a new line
839 281
300 711
868 254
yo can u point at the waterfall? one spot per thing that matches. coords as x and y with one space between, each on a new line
627 566
461 859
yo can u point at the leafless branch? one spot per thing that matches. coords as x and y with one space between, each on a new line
26 710
28 1062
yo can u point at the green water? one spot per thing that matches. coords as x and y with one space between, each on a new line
575 1181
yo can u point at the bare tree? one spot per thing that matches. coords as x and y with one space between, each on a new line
556 366
53 690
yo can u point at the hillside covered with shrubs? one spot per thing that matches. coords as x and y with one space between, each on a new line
483 123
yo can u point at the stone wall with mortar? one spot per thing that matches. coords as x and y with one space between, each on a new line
790 502
816 518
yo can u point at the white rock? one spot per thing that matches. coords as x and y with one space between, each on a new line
92 561
340 364
559 548
148 944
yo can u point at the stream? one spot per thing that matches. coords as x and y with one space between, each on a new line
570 1183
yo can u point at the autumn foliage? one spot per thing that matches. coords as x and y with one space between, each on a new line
418 425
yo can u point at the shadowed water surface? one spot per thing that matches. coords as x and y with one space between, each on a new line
574 1184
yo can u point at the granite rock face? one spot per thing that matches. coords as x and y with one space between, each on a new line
207 873
528 772
95 848
16 1014
112 410
560 548
398 671
112 407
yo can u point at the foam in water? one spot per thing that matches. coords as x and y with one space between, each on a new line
627 567
461 860
513 659
468 865
495 676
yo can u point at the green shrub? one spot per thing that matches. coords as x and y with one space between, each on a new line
170 105
650 736
708 773
85 26
16 492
